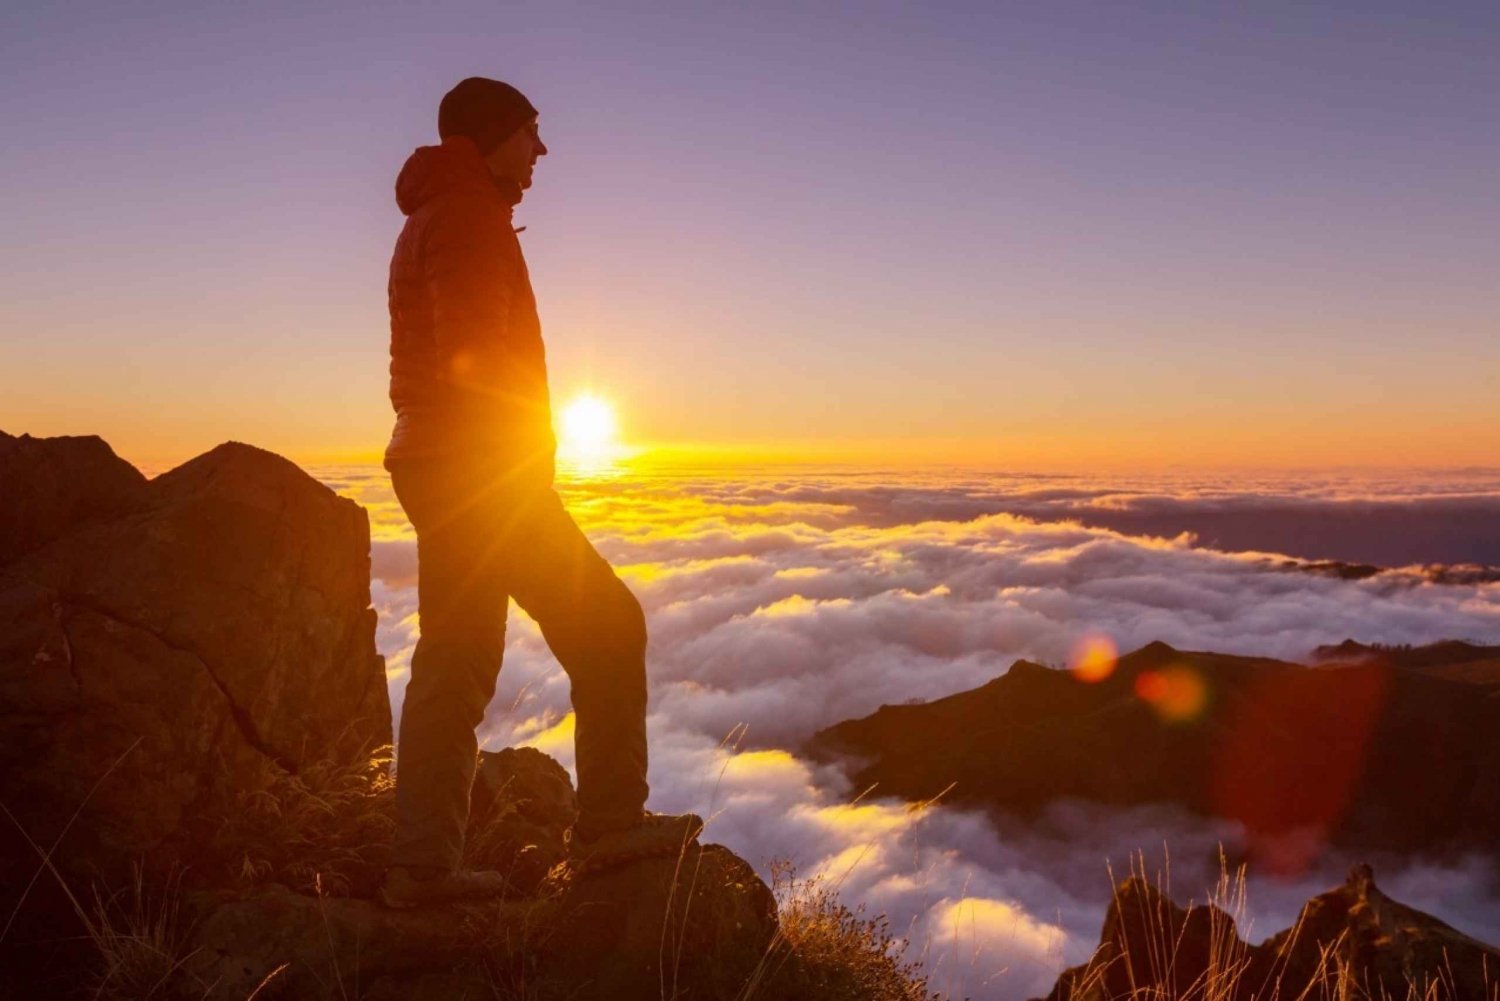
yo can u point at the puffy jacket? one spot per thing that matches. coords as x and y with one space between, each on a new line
468 371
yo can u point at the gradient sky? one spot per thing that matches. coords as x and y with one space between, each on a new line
1041 235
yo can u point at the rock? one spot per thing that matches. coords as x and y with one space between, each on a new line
49 486
651 930
520 810
1148 940
1383 941
1354 939
693 926
332 947
164 640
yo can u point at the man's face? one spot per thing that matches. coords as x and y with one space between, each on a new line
515 158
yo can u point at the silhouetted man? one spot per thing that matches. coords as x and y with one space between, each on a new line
471 461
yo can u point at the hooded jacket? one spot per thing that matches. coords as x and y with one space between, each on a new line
468 370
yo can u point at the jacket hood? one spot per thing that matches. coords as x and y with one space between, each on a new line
454 165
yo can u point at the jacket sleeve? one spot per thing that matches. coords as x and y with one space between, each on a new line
471 280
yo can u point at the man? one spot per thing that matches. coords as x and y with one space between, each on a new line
471 461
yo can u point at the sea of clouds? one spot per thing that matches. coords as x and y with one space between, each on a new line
780 602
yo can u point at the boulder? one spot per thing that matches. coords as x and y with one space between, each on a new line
520 810
49 486
161 640
693 926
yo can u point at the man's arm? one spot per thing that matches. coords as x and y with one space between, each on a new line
471 278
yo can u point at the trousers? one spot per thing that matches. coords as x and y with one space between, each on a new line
484 538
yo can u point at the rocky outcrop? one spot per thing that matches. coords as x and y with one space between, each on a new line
692 926
161 640
189 685
688 927
520 810
1351 941
49 486
1221 735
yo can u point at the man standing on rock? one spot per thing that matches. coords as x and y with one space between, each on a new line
471 461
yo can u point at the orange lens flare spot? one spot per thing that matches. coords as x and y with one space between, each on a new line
1177 693
1093 658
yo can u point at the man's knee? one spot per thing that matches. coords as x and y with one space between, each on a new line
628 621
608 631
621 623
453 675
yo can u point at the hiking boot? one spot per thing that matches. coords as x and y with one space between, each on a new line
403 887
654 836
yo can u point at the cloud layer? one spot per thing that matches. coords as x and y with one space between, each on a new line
781 604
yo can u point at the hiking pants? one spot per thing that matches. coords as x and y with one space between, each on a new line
481 540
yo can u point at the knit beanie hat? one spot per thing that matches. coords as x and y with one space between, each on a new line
486 111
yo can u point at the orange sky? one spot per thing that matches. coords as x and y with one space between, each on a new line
1036 241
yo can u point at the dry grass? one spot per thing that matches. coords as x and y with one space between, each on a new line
1143 970
827 951
139 938
325 829
1146 965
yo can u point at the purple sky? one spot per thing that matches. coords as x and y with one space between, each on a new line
1033 234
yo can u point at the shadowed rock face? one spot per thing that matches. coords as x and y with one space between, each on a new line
689 927
1150 945
49 486
158 639
520 810
1299 755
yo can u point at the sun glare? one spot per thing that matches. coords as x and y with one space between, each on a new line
588 428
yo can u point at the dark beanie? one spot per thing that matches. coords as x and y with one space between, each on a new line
487 111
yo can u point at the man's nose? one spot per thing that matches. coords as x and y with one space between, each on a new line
541 148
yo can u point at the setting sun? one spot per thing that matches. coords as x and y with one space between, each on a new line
588 427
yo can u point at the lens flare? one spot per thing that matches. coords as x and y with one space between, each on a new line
1093 658
1177 692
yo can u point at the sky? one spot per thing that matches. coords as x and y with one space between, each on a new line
781 604
1050 235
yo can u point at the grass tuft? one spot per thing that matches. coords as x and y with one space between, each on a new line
323 830
827 951
139 939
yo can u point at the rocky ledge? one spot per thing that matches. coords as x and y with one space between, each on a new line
194 744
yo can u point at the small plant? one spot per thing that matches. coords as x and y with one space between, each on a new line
826 951
138 937
322 829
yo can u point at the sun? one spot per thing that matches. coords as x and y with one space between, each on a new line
588 427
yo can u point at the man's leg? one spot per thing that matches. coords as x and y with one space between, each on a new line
462 605
597 631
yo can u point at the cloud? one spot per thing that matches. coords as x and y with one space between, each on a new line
781 605
1451 517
